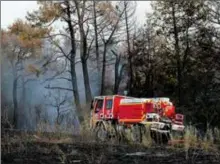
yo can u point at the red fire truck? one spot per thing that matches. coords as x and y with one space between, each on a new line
112 115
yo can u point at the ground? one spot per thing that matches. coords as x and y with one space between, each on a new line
34 148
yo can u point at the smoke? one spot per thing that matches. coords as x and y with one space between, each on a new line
35 101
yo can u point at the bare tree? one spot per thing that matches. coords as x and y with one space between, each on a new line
107 39
60 103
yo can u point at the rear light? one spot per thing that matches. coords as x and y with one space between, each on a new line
179 117
101 115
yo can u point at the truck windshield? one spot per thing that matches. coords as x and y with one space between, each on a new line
99 103
109 104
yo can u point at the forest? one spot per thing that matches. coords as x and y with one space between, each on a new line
65 53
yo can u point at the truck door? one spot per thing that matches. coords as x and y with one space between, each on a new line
96 111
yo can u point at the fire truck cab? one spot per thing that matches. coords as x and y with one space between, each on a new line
105 108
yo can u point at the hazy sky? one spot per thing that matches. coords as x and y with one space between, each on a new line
11 10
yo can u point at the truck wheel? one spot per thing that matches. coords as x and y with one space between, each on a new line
101 133
136 134
178 134
123 134
113 133
160 138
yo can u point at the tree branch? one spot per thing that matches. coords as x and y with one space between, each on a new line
64 78
67 89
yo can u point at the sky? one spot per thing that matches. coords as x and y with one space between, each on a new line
12 10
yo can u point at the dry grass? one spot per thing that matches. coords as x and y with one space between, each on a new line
147 140
192 141
60 134
217 135
85 132
190 138
192 146
53 133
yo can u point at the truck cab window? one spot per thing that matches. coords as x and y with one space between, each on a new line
99 105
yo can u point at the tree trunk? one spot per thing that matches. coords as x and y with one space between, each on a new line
74 82
83 50
86 81
97 43
58 116
96 38
15 102
23 105
177 53
116 75
72 62
103 70
130 82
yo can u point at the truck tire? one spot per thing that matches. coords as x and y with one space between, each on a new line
101 132
136 134
159 137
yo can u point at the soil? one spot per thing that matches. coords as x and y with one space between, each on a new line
32 149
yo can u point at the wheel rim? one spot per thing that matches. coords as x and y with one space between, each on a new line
101 133
136 134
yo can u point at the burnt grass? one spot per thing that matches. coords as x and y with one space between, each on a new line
23 149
